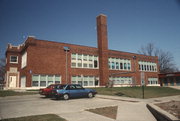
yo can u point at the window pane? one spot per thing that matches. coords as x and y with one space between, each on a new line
85 57
57 82
95 58
73 78
125 66
85 65
80 82
91 83
57 78
90 58
43 83
42 78
90 65
35 78
95 64
85 83
73 64
13 59
35 83
91 78
113 65
73 56
85 78
79 64
121 65
117 65
142 67
79 57
150 68
50 78
145 67
129 66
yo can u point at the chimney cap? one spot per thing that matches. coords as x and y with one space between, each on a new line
101 15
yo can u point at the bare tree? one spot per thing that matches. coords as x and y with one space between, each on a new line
2 70
147 50
166 60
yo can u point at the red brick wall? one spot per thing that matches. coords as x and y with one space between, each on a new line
103 49
46 57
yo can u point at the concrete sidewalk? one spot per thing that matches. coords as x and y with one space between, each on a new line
126 112
150 100
129 109
175 87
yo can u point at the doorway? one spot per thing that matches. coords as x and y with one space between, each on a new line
12 81
23 82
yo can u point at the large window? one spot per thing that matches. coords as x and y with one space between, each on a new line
24 60
45 80
119 64
147 66
152 81
84 80
121 80
35 80
42 80
84 61
50 79
13 59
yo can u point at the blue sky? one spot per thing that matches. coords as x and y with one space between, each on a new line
131 23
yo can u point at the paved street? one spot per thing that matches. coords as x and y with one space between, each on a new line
129 109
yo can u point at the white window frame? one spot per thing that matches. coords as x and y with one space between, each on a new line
87 61
16 59
152 66
46 79
119 61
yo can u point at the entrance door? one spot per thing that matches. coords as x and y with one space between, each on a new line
12 81
23 82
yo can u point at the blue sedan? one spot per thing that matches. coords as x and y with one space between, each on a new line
72 91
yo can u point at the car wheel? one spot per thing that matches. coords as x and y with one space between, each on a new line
66 96
90 94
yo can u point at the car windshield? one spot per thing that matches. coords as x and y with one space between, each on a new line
59 86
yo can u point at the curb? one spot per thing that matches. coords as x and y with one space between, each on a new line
161 115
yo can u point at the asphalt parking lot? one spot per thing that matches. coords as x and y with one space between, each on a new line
73 109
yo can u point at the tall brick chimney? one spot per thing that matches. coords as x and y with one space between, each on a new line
103 49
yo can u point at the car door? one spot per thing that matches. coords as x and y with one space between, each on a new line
73 92
80 91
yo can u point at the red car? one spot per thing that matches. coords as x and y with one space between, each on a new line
47 91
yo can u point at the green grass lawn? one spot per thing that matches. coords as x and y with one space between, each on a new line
4 93
136 92
46 117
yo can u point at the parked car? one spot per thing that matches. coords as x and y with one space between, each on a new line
47 91
72 91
